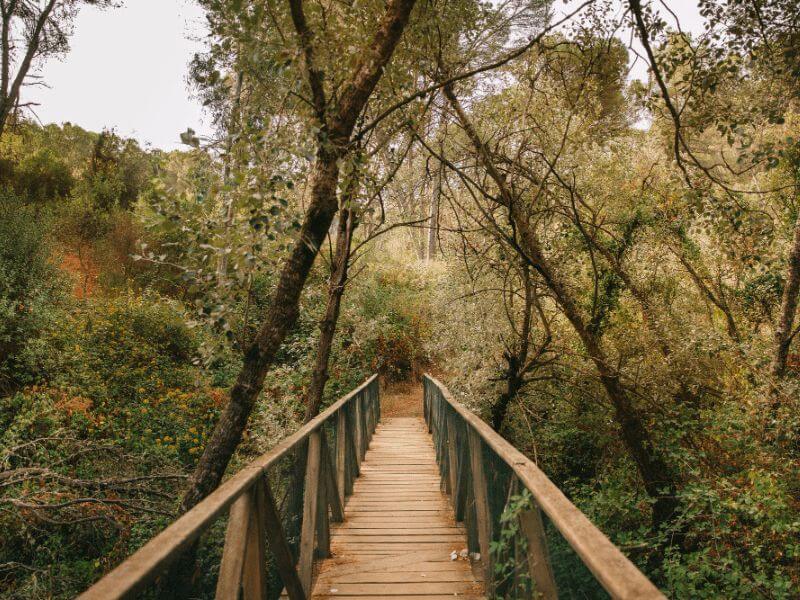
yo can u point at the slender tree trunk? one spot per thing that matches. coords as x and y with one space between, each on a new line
783 330
660 481
328 324
717 299
433 232
227 205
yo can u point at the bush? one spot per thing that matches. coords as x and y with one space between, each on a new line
31 293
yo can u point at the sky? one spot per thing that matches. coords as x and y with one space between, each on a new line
127 69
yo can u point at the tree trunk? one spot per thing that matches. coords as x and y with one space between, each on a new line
783 330
433 231
283 307
659 480
328 325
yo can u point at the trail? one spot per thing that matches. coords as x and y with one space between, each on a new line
402 399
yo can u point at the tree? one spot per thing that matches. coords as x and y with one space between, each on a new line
335 121
30 32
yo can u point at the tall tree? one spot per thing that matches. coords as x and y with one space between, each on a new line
335 120
30 32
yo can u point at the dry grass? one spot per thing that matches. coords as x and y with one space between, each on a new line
402 400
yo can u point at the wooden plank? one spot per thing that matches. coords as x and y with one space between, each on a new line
230 569
341 456
538 556
254 571
483 516
399 527
276 538
310 499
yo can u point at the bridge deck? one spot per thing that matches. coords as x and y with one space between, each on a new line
399 530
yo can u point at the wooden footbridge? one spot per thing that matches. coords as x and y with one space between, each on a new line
352 507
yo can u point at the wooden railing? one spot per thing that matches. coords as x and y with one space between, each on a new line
500 496
260 556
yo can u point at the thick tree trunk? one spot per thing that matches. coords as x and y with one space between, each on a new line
283 307
783 330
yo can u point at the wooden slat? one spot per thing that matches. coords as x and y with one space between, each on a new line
341 449
484 517
282 554
541 571
229 579
254 571
310 499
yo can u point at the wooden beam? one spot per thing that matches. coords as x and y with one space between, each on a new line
341 453
483 515
358 432
284 561
310 499
254 572
229 580
541 570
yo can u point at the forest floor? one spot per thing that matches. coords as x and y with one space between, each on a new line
402 399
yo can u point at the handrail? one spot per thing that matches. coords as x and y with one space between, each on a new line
461 461
254 516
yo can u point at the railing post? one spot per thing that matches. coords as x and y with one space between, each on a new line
229 579
358 431
538 557
482 513
341 452
281 552
254 577
452 457
310 499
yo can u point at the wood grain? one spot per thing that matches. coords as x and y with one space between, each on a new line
399 529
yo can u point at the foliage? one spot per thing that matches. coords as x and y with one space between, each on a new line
31 290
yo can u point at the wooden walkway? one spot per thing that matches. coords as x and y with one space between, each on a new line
396 535
399 530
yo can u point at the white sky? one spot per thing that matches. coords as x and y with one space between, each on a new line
127 69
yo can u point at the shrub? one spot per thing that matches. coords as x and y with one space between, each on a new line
31 292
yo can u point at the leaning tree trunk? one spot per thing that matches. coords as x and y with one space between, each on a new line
327 327
319 377
659 479
283 307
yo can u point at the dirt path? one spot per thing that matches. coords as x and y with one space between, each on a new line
402 400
